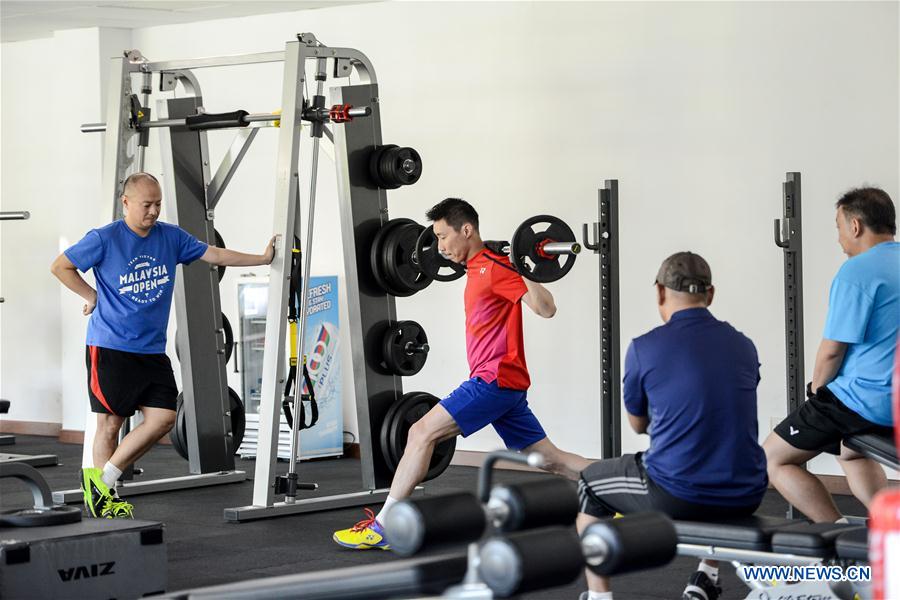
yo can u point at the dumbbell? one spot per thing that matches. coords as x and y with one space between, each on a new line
543 558
415 524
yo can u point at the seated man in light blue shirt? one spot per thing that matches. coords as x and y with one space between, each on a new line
850 391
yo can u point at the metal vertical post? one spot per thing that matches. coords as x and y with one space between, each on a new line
286 194
606 244
198 310
789 237
363 211
611 393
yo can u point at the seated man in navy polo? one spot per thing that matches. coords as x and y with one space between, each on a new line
690 384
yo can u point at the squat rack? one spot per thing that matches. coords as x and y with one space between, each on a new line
606 244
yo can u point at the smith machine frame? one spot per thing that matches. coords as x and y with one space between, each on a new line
193 192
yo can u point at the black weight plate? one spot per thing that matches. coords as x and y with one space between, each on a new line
524 249
395 422
178 435
389 178
431 262
229 340
410 409
396 359
238 418
384 436
398 259
40 517
377 170
375 256
406 165
220 243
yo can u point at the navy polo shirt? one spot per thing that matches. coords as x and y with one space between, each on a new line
696 377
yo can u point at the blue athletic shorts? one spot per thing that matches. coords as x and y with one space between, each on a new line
476 404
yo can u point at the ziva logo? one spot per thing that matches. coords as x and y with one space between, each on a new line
86 571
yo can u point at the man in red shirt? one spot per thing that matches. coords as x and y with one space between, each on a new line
495 393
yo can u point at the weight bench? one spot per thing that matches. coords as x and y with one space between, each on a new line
880 448
853 545
773 541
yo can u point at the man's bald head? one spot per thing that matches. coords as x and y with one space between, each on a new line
141 202
137 181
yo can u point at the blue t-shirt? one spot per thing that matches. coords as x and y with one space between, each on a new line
696 378
864 313
135 280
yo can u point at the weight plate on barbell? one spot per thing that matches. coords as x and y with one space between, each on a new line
398 258
402 347
431 262
526 244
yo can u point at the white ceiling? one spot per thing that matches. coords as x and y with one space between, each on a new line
29 19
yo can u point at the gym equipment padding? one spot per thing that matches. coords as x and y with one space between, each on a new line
430 521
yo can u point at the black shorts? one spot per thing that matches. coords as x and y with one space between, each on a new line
621 485
121 382
822 422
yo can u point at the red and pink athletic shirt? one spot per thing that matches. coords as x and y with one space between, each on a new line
494 343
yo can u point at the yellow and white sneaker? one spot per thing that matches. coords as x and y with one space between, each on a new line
365 535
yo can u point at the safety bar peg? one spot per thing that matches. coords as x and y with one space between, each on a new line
586 239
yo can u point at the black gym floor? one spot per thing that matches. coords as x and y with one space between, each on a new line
205 550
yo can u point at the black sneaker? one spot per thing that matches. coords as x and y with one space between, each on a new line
701 587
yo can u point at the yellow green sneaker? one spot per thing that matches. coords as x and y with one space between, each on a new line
115 508
365 535
96 493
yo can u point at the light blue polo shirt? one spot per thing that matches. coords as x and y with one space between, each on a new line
135 280
864 313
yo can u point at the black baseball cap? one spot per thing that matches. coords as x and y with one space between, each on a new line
685 272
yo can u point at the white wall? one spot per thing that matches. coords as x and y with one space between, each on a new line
697 108
52 170
30 346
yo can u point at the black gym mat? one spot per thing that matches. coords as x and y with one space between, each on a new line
205 550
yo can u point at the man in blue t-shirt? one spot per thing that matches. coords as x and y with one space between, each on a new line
134 262
691 384
850 392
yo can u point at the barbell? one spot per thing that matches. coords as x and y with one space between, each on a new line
405 256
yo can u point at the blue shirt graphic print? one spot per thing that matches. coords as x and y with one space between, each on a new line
135 280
